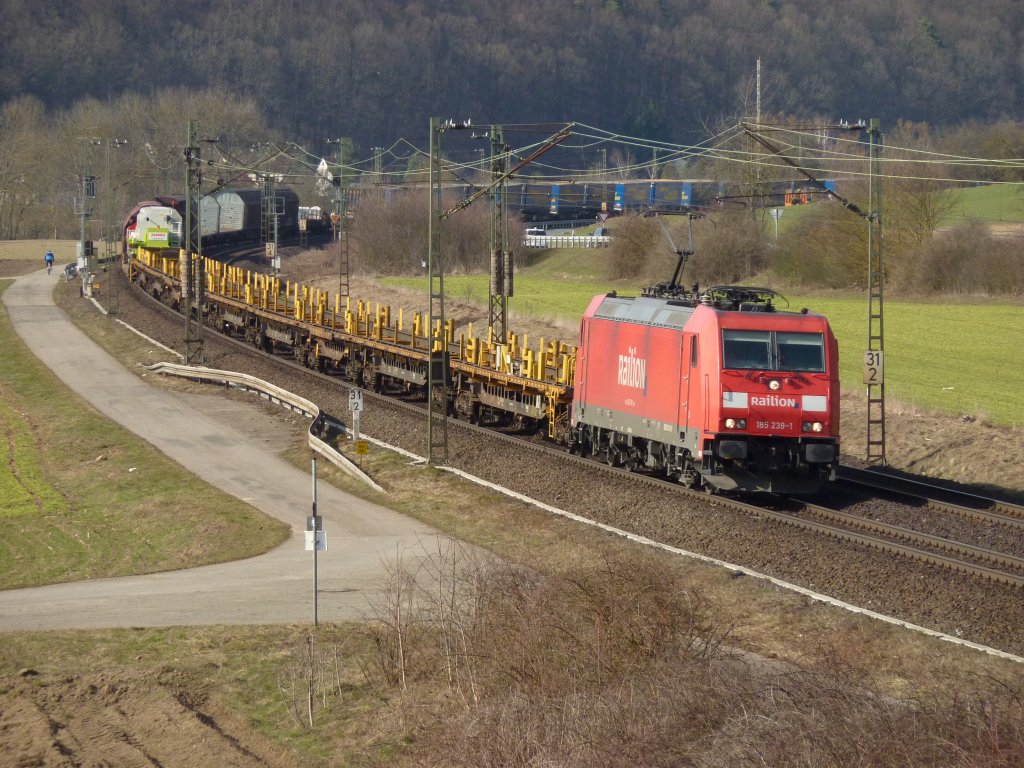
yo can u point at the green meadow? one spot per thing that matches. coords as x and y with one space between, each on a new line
990 203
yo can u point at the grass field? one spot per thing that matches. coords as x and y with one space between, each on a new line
33 250
992 203
83 498
955 358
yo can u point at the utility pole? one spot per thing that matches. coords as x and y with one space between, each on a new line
191 264
874 374
501 255
437 374
109 229
339 218
273 208
84 209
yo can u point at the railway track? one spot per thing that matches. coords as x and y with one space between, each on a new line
939 497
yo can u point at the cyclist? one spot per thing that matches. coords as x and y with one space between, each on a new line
48 258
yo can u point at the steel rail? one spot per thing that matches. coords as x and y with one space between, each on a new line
974 506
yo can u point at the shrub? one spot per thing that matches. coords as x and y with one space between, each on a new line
965 259
390 234
827 250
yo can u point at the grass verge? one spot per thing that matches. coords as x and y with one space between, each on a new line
84 498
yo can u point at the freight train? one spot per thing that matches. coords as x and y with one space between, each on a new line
225 216
716 389
544 200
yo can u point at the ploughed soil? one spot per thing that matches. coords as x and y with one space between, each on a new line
123 719
166 717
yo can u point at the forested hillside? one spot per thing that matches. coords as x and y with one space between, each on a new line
104 90
376 70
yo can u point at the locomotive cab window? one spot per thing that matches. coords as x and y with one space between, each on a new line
746 350
773 351
800 352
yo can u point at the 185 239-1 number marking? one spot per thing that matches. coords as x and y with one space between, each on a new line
779 425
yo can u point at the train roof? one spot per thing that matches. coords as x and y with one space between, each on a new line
645 310
675 311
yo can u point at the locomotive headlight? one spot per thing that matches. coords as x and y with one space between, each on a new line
774 384
735 423
813 426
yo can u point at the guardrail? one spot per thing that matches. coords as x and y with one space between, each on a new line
566 241
275 394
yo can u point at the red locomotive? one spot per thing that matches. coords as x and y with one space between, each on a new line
716 389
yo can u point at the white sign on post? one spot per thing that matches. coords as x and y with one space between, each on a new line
321 540
873 367
355 404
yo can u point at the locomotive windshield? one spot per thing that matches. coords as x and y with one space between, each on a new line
773 351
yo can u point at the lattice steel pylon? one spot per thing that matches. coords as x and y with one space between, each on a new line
437 373
272 208
501 256
876 283
193 278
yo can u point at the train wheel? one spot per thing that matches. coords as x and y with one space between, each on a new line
612 456
688 477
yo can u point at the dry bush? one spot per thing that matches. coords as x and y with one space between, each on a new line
426 614
728 249
828 250
966 259
636 238
837 718
308 677
621 664
597 666
390 234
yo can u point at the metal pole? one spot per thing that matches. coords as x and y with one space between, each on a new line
192 269
876 282
83 260
316 542
437 347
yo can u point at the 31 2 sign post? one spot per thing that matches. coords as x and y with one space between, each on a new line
355 405
873 367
